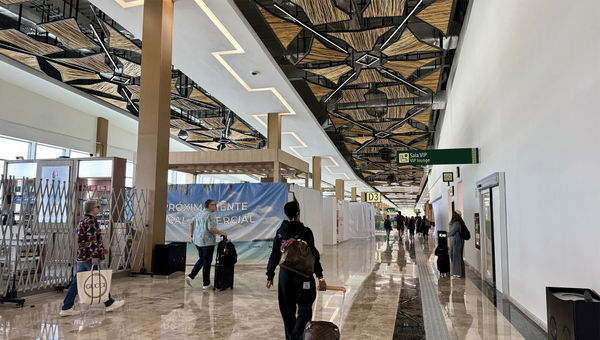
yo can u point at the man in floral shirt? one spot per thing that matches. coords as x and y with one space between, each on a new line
90 252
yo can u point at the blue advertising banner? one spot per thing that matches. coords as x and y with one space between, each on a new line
250 213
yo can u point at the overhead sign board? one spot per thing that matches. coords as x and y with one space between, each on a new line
373 197
440 156
448 177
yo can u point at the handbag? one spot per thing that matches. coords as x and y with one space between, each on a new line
297 257
93 287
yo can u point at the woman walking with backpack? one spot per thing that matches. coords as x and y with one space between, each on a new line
458 243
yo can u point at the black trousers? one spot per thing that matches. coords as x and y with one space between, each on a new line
293 290
205 256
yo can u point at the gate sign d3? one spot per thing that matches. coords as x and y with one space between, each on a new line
440 156
373 197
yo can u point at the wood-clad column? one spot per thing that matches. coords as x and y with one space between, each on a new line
155 112
316 168
274 141
353 195
339 189
363 196
101 137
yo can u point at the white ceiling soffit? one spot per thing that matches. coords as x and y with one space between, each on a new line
22 76
215 46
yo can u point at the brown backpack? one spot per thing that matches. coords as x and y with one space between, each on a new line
297 257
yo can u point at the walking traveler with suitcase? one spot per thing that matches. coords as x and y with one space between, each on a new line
299 259
202 232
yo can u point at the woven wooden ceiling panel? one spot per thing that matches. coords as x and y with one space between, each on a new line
318 90
319 52
241 126
381 126
351 146
396 91
186 105
359 131
131 69
431 81
135 91
119 41
421 145
352 96
236 135
174 89
423 117
284 30
69 74
27 43
10 2
361 140
338 122
370 76
322 11
398 111
23 58
407 68
361 40
437 14
358 115
384 8
69 34
213 123
118 103
212 133
94 62
104 87
332 73
201 97
408 43
404 128
197 138
180 124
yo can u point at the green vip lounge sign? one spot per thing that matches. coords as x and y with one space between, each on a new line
437 157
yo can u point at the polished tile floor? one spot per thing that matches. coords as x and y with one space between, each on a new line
382 302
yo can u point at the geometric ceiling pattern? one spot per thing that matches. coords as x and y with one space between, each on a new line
77 44
363 61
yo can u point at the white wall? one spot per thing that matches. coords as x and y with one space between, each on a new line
526 93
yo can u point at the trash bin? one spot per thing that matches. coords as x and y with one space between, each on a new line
573 313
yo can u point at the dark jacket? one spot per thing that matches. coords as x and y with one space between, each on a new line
292 229
387 224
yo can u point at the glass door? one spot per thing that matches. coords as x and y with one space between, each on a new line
488 237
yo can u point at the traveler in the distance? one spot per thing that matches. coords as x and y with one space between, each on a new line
387 225
202 232
294 289
456 253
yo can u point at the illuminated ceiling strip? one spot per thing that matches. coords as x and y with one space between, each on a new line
310 28
128 4
337 166
402 24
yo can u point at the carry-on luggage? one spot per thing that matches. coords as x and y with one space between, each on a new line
324 330
224 267
441 251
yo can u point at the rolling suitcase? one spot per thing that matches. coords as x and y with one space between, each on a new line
225 264
441 251
324 330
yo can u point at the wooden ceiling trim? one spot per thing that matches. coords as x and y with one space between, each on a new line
119 41
69 34
361 40
351 147
135 91
396 91
384 8
318 90
27 43
118 103
319 52
186 105
251 144
408 43
284 30
332 73
361 140
197 138
370 76
352 96
437 14
322 11
407 68
104 87
183 125
431 81
201 97
93 62
236 135
23 58
238 125
338 122
12 2
68 74
131 69
404 128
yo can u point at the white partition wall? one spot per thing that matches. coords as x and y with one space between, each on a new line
311 211
362 220
329 221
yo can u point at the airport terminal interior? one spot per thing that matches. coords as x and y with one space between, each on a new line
438 152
